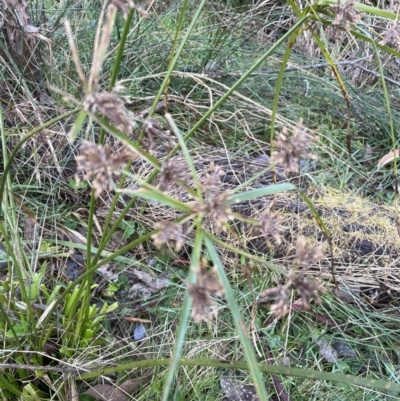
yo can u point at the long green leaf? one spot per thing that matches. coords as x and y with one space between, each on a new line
5 384
259 192
78 124
185 313
239 323
159 197
376 11
271 369
278 85
178 52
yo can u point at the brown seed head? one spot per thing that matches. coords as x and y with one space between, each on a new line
204 307
208 284
99 164
170 173
168 232
305 255
219 210
280 307
110 105
346 14
291 149
154 129
212 180
392 37
307 289
271 227
208 279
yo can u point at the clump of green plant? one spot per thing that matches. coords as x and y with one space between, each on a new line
69 310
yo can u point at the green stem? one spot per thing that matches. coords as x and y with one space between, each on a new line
271 369
3 313
239 322
176 56
185 312
121 48
375 11
279 85
86 302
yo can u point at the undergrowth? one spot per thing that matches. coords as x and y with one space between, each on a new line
153 244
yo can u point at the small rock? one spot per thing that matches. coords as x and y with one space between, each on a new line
347 292
327 351
139 332
235 391
344 350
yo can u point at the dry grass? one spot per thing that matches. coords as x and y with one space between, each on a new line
366 245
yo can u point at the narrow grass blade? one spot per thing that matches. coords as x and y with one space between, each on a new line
5 384
178 52
239 323
259 192
246 75
158 196
76 128
185 150
18 146
278 85
272 369
185 313
375 11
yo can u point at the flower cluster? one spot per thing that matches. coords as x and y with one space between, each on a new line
305 287
271 227
99 164
392 38
345 14
208 285
168 232
290 150
171 172
110 105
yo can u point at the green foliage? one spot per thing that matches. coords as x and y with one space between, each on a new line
155 58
